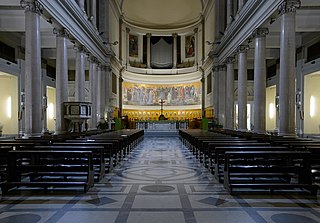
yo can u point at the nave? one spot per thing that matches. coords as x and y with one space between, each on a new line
160 181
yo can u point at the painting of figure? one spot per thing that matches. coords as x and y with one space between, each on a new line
189 46
133 46
150 94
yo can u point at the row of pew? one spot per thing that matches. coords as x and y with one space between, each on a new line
244 161
63 161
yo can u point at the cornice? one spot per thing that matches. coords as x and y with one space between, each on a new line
252 16
71 17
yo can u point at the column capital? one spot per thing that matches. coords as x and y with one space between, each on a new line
127 30
243 48
32 6
148 35
79 48
93 59
215 68
195 30
222 67
61 32
230 60
289 6
174 35
260 32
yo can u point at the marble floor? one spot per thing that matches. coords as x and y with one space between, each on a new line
160 182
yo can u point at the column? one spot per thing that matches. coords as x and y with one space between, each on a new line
241 4
242 87
120 93
101 94
127 47
229 12
80 74
33 108
61 79
148 50
222 95
174 35
94 13
230 94
44 103
81 4
203 95
260 81
215 91
196 46
287 67
93 70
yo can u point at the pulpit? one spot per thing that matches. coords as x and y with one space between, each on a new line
78 113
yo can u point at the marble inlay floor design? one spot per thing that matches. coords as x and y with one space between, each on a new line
160 182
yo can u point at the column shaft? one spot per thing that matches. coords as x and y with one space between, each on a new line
242 88
287 68
230 94
260 81
80 75
93 93
33 107
222 96
101 93
175 36
61 81
148 50
215 91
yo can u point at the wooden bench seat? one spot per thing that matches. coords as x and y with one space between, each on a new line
31 168
292 168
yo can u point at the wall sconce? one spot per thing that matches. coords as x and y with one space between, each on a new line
110 43
8 107
277 99
312 106
298 99
51 111
22 99
213 43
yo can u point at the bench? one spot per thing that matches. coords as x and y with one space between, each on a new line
270 170
36 168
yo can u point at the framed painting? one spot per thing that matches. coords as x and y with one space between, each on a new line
189 46
133 45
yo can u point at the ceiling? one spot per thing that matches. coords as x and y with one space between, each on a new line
161 14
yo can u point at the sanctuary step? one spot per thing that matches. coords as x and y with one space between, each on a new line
162 133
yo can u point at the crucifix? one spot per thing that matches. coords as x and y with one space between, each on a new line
161 106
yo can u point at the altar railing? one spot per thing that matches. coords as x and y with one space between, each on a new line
164 125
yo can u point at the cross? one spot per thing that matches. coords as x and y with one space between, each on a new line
161 105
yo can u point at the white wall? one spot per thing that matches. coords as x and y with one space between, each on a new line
312 112
9 95
270 108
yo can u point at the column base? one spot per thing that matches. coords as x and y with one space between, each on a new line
289 135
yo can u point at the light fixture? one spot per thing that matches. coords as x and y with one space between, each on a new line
271 110
51 111
213 43
101 33
312 106
111 43
8 107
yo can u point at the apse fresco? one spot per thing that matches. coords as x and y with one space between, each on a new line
174 95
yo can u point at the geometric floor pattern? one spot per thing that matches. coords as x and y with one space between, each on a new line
160 182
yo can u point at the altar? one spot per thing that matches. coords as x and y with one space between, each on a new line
161 125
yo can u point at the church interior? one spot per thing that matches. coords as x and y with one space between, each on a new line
159 111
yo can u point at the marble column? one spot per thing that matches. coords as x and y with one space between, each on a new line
242 88
203 95
93 72
175 36
260 80
94 12
230 94
287 67
222 95
241 4
61 79
120 93
148 50
215 91
33 107
229 12
80 74
44 103
81 4
127 46
101 94
196 38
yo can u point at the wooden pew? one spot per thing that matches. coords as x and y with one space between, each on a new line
268 170
34 168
